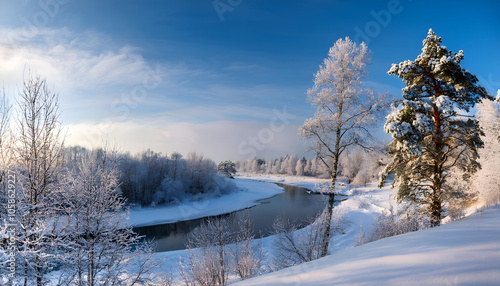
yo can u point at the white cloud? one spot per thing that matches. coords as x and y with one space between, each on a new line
111 91
71 61
89 71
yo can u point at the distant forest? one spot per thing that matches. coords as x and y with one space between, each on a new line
151 178
358 166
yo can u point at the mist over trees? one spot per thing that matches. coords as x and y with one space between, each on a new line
289 165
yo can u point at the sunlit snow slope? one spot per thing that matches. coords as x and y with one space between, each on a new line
466 252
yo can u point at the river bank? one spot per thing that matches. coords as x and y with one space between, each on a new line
250 191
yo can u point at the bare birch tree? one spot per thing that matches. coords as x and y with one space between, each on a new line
39 156
345 110
101 251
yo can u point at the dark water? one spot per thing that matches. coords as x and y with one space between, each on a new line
295 204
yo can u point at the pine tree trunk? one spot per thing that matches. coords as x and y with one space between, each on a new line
436 201
436 208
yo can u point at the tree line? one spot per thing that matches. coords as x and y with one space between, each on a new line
357 167
152 178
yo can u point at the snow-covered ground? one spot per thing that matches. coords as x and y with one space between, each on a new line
250 192
465 252
357 212
300 181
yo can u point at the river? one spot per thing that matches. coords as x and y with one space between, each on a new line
295 204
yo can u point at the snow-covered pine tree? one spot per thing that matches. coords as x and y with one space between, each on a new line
431 129
345 109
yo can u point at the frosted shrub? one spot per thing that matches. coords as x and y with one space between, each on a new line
208 255
224 185
292 246
168 192
246 255
219 247
387 224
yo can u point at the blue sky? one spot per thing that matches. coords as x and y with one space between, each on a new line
226 78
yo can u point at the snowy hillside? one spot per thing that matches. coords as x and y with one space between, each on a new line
466 252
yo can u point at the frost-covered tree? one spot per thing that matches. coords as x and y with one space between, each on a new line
345 109
431 129
289 164
352 163
39 158
389 224
103 246
227 168
209 259
299 168
361 167
276 166
486 181
221 246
